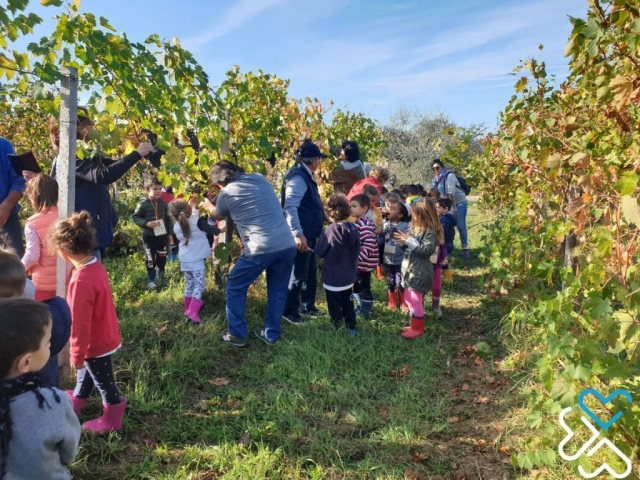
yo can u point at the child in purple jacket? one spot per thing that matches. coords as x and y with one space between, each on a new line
339 245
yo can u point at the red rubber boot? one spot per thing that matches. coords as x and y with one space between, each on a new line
403 304
392 301
380 272
416 330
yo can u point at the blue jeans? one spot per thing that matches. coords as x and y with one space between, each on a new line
462 223
246 270
303 281
14 232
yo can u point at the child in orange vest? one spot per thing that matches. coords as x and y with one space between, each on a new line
39 261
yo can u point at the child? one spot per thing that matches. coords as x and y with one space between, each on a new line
417 266
39 261
368 259
434 193
374 212
95 334
152 215
191 231
398 221
448 222
339 245
13 280
39 433
389 198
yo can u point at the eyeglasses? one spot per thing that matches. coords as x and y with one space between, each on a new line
435 169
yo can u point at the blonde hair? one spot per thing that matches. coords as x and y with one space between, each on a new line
425 217
178 209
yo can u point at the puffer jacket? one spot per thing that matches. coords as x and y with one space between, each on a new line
417 270
197 247
44 272
148 211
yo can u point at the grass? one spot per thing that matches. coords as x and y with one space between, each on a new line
320 404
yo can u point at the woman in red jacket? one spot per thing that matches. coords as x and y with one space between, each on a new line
95 333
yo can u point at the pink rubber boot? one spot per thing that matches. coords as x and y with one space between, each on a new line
194 309
187 302
78 403
111 419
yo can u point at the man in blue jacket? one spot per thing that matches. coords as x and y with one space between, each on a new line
304 212
11 188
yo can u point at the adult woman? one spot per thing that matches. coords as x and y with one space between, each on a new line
446 182
93 177
350 169
377 177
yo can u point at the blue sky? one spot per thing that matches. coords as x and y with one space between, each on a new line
367 56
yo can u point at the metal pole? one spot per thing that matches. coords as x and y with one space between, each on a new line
66 164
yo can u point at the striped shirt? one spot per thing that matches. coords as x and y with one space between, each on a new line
368 258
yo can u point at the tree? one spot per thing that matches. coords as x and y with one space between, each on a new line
415 138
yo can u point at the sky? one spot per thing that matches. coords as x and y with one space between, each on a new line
368 56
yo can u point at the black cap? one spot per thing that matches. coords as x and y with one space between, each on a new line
310 150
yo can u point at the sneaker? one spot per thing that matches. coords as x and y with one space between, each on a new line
314 312
151 286
260 334
465 253
353 333
293 319
438 312
238 342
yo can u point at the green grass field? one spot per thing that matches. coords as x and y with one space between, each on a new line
317 405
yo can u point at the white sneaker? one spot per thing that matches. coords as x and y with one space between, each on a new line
438 312
151 286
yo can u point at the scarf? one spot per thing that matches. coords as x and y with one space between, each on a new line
350 165
29 382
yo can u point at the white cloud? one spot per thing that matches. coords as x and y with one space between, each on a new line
234 18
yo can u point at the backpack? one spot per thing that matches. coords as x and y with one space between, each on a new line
462 184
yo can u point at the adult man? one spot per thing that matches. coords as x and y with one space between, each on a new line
268 245
11 188
305 215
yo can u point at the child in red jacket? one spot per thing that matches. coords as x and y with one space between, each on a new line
95 334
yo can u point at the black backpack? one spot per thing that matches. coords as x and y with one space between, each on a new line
462 184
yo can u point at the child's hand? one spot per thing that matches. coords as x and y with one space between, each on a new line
399 236
78 365
193 201
153 224
223 229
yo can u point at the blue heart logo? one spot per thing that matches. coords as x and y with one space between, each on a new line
604 400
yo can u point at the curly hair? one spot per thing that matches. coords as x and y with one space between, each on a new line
338 208
380 174
75 234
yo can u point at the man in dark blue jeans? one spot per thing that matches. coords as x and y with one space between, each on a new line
11 188
251 202
304 212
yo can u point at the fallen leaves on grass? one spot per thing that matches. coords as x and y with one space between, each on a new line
504 450
314 387
419 456
220 382
384 411
163 329
411 475
453 419
403 372
482 400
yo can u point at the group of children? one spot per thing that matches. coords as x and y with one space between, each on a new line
412 248
410 238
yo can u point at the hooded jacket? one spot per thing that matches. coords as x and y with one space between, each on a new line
339 245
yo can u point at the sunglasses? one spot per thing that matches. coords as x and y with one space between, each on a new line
435 168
